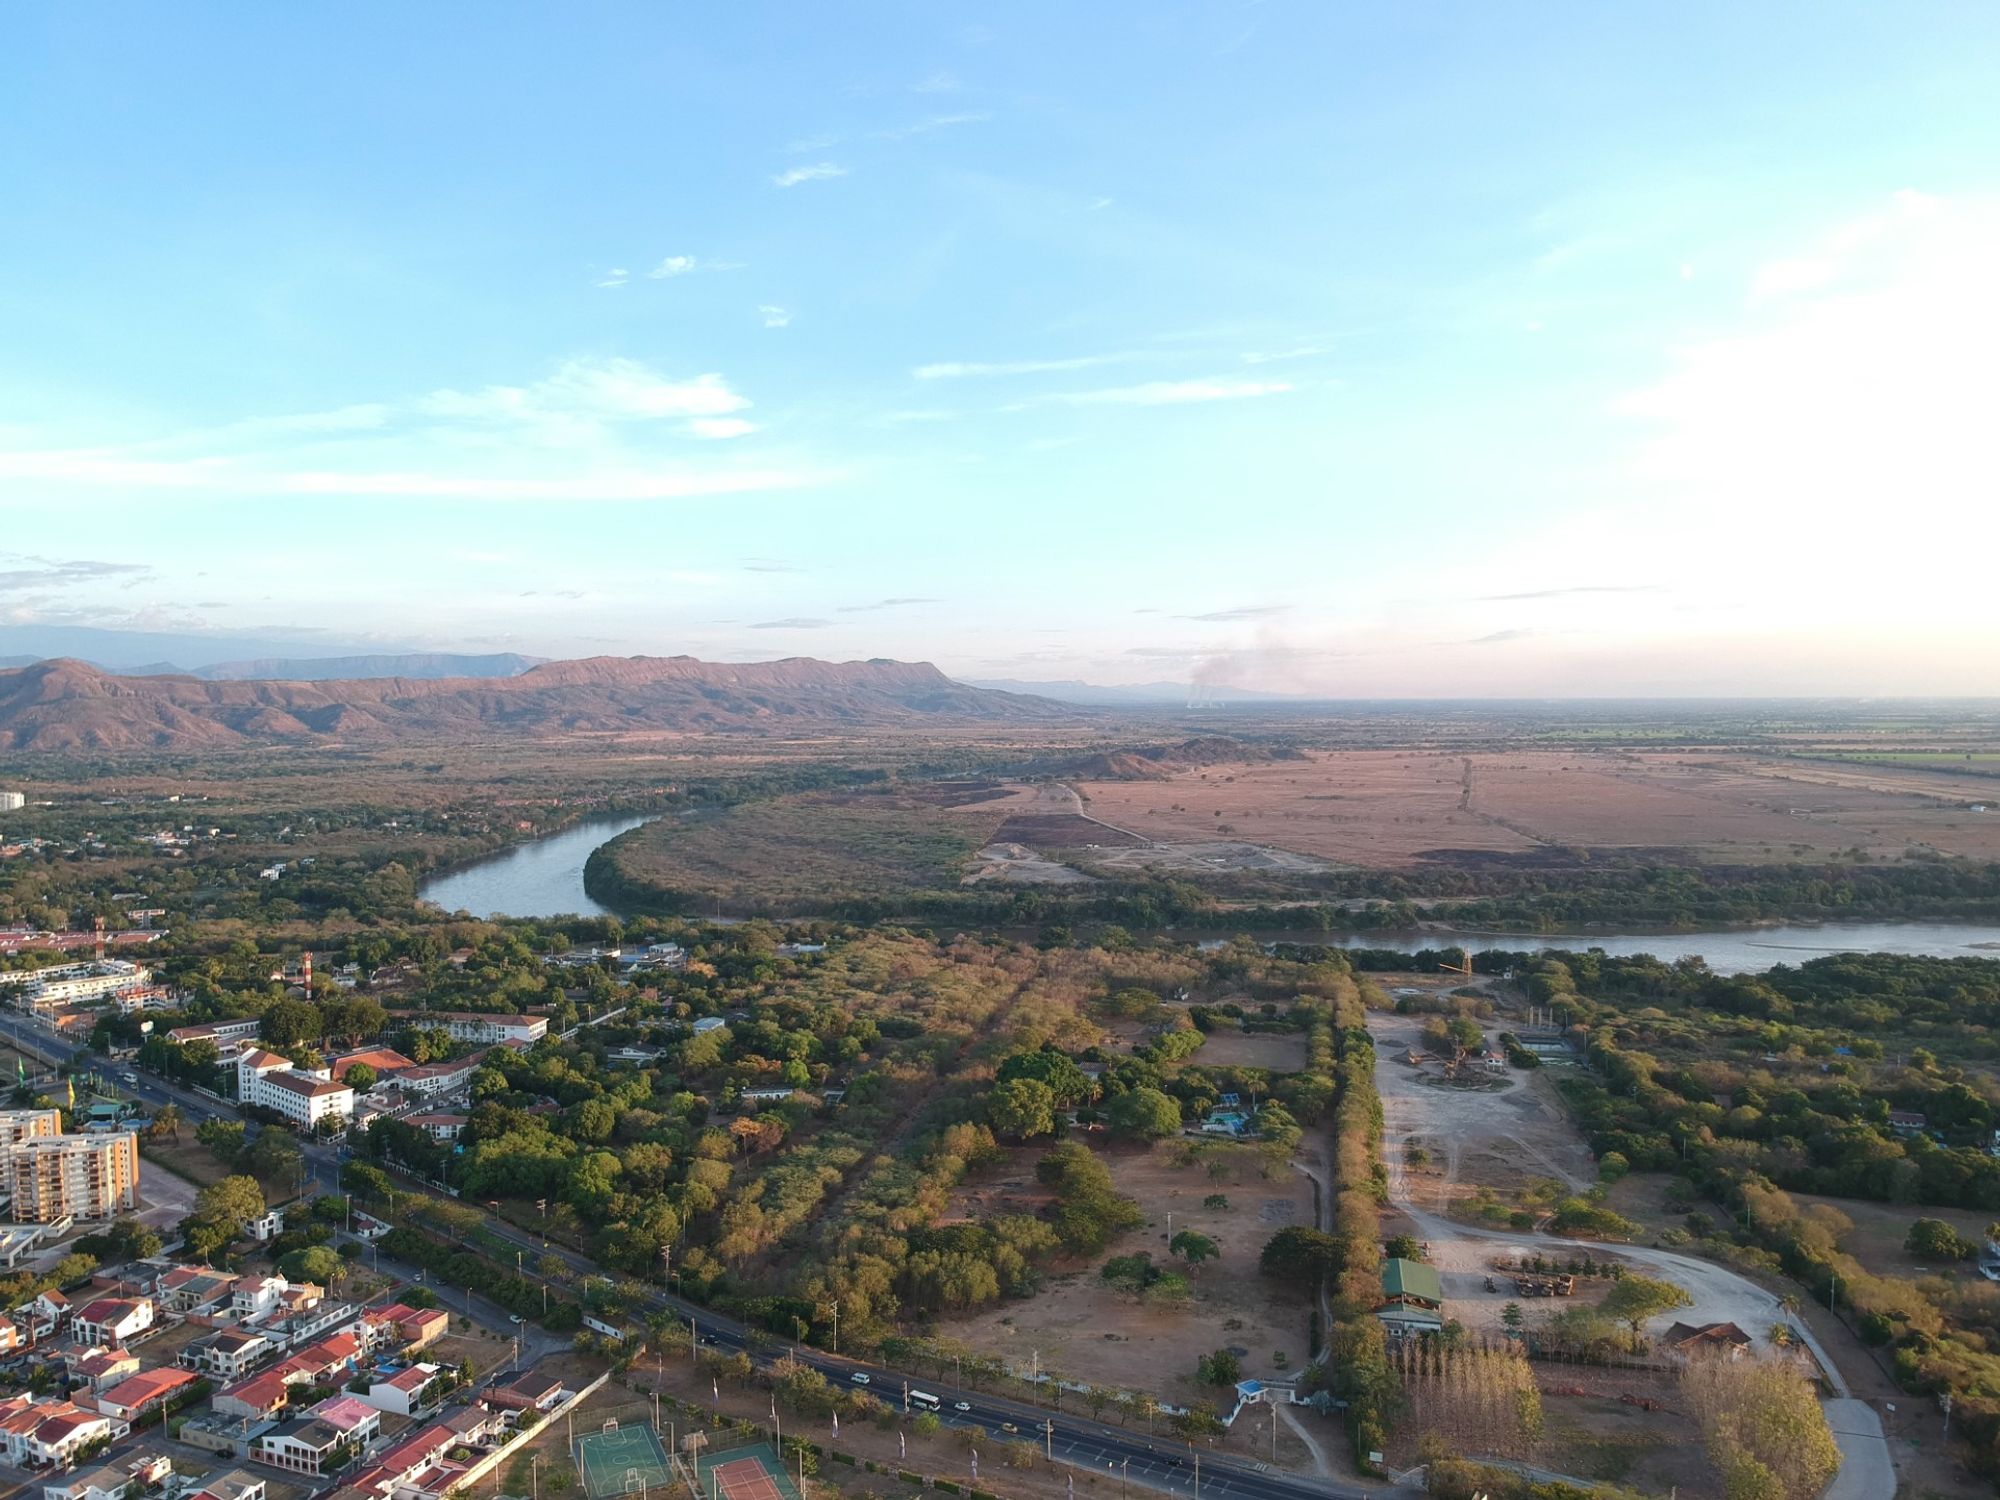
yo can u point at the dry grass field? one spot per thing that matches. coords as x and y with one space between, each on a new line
1391 807
1081 1327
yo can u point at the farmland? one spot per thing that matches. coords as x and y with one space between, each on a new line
1403 808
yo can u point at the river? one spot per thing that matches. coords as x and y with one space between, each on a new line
543 878
1740 951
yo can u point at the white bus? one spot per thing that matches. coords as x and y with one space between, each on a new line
924 1401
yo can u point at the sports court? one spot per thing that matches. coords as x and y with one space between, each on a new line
753 1473
623 1461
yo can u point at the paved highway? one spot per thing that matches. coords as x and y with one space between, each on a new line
1157 1463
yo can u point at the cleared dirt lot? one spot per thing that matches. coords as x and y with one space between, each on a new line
1280 1051
1084 1329
1390 808
1524 1129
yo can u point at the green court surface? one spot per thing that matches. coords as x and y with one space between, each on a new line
622 1461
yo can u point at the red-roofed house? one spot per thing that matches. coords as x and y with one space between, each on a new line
50 1432
111 1320
260 1396
440 1127
399 1327
143 1391
100 1367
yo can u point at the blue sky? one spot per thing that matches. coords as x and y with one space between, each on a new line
1428 349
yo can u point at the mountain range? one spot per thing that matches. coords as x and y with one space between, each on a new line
68 705
1131 694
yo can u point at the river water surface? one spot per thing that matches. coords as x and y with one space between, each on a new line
539 879
545 879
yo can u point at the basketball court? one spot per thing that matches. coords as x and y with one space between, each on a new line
623 1461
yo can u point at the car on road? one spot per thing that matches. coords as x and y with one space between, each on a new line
1008 1427
128 1077
961 1406
859 1377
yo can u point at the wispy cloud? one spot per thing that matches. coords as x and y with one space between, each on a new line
1569 591
719 427
969 369
791 622
819 171
1170 393
33 572
862 609
1261 357
1241 612
1499 636
594 390
933 123
774 316
1098 205
673 265
939 82
617 276
767 565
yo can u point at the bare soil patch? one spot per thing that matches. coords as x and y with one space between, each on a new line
1280 1051
1080 1327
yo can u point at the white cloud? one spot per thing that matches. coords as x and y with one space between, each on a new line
939 82
225 478
774 316
1096 205
673 265
615 277
1304 351
719 427
1174 392
1844 426
817 172
616 390
934 123
962 369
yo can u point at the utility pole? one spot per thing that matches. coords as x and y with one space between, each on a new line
834 1308
1049 1436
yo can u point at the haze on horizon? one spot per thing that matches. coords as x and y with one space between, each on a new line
1461 352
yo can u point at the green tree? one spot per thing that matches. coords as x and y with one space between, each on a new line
1634 1299
1305 1257
1219 1368
1934 1239
1021 1109
360 1078
1144 1114
315 1263
1193 1248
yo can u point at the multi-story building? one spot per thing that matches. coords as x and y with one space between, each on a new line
473 1026
132 1398
17 1125
67 984
111 1321
265 1078
228 1037
81 1176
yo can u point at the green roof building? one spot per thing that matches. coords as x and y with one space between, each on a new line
1411 1283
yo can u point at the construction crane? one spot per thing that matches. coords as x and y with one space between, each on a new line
1463 968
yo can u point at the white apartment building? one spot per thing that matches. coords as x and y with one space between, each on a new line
82 1176
67 984
17 1125
474 1026
266 1079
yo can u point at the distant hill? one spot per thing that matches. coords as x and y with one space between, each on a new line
67 705
1161 762
417 665
1096 695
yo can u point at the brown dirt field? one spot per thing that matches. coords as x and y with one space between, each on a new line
1280 1051
1393 808
1086 1331
1599 1436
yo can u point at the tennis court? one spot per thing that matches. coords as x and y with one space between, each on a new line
622 1461
753 1473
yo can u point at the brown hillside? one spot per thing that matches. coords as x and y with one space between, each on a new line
69 705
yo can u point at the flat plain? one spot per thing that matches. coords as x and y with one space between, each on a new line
1389 808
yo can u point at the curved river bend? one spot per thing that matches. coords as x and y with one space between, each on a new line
545 879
